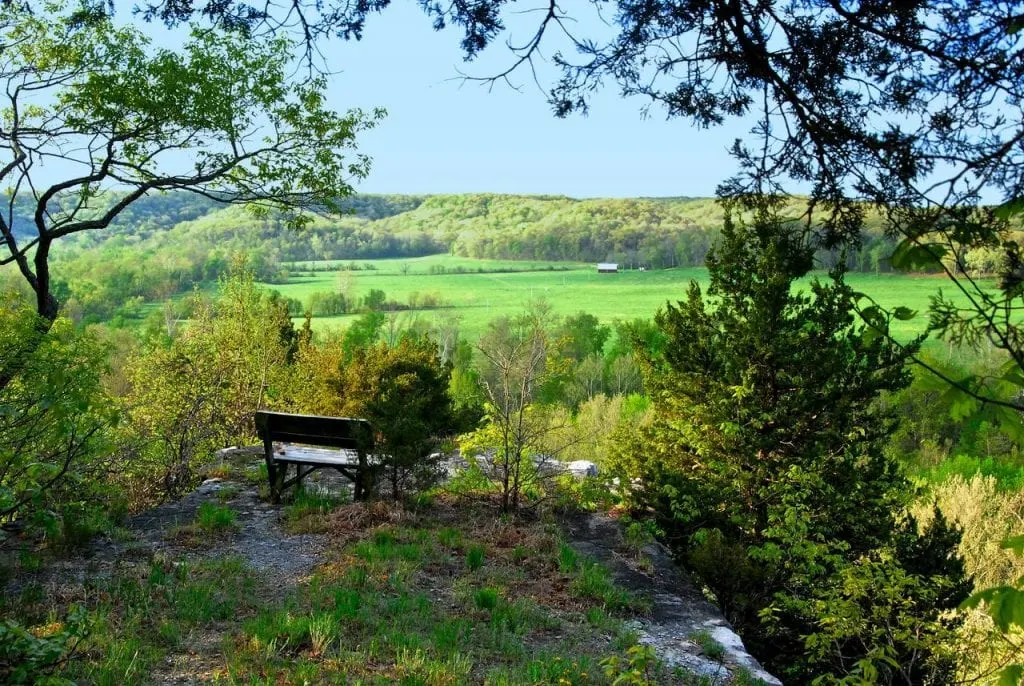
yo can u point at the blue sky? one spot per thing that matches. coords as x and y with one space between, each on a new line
444 135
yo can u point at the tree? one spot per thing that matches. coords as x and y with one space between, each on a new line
403 391
518 362
764 465
584 336
199 390
120 119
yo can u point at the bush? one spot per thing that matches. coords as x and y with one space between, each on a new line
54 418
199 392
403 392
29 657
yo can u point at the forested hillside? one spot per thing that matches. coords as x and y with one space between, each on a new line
167 244
650 232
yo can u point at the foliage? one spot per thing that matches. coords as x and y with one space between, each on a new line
851 100
363 332
403 392
54 418
986 516
517 365
32 657
200 391
764 419
636 669
1005 606
584 336
166 244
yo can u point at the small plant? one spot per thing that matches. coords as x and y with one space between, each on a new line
475 557
449 537
306 502
595 582
221 471
711 648
227 493
638 535
486 598
215 518
307 511
599 618
568 559
637 669
323 631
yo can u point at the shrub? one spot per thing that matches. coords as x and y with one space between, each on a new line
29 657
403 392
54 419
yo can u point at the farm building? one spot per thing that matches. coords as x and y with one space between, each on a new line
607 268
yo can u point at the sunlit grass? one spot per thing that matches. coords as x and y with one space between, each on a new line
477 298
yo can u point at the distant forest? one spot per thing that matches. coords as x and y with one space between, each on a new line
166 244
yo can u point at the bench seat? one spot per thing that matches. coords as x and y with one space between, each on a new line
304 454
311 442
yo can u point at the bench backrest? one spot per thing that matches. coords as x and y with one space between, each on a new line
333 432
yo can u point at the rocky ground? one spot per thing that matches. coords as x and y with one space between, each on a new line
677 613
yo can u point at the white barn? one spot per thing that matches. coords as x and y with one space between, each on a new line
607 268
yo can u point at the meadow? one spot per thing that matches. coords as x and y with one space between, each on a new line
477 291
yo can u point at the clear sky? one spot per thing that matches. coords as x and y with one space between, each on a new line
445 135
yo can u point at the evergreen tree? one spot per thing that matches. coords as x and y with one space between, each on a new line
403 392
764 465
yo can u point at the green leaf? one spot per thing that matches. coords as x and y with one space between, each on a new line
911 255
961 404
1010 209
1011 676
904 313
875 318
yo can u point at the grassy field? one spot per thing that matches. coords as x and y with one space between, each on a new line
476 297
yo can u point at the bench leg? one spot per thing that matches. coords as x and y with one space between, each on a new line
277 476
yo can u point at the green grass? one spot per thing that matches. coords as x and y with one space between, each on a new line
475 557
308 511
477 298
708 645
214 518
394 603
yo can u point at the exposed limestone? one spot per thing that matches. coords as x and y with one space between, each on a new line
679 609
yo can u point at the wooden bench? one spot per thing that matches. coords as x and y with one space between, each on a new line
300 439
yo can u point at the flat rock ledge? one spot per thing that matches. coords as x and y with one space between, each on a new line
679 609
